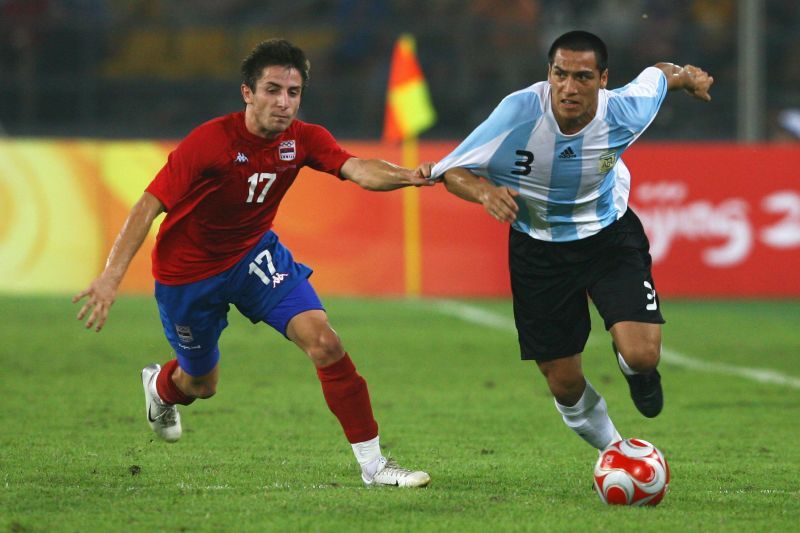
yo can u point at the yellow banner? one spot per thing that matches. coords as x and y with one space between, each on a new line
61 206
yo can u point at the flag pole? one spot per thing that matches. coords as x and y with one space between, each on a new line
408 112
412 234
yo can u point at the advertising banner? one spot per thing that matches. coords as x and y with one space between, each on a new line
723 221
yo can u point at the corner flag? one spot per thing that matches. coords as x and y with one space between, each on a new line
409 111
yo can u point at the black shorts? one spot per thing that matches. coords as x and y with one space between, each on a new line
551 283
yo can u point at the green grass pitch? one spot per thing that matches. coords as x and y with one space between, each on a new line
451 397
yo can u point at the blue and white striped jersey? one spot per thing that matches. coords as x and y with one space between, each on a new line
570 186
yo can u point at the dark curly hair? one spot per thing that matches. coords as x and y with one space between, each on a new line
274 52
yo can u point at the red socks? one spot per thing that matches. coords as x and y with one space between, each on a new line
347 396
166 388
344 389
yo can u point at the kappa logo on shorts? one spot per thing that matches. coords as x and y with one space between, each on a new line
277 278
286 151
651 297
241 158
184 333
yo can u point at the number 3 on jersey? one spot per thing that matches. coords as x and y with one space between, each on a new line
254 180
524 164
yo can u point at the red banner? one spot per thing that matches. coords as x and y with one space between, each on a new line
723 220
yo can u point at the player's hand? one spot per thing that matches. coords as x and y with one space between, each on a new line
422 175
499 203
698 82
101 295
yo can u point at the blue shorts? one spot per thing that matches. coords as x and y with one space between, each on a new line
265 286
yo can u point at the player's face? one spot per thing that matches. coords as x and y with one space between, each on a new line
273 105
575 84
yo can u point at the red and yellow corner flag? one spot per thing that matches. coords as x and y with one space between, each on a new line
409 111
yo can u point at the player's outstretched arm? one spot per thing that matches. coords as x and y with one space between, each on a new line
102 291
498 201
693 80
379 175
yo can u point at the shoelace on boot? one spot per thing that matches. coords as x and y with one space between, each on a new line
167 416
392 468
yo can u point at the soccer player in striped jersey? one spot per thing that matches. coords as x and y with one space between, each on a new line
221 188
548 161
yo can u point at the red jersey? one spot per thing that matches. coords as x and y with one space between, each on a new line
222 186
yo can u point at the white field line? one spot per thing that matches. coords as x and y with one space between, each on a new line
476 315
763 375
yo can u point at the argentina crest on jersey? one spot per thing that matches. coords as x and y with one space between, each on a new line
607 161
286 151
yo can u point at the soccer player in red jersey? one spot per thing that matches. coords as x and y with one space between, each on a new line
220 189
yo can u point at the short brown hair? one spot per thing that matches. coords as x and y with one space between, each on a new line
274 52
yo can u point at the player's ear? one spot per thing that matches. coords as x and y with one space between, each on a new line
604 79
247 94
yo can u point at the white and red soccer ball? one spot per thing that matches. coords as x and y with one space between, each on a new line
631 472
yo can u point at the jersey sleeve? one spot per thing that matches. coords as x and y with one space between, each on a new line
324 153
476 150
635 105
188 161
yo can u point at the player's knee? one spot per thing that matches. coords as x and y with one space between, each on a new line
206 391
326 348
566 382
567 391
197 386
203 388
643 356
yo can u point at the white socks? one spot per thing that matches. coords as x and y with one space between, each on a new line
368 455
589 419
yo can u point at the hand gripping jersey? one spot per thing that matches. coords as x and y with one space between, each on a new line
222 186
570 186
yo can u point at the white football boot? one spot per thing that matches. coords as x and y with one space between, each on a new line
164 419
391 474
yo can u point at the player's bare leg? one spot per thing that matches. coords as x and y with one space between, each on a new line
581 406
347 397
196 386
637 346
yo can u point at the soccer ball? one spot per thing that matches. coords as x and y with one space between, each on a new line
631 472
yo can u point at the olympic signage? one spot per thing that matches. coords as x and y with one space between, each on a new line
723 220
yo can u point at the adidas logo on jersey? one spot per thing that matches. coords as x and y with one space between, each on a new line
567 153
241 158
